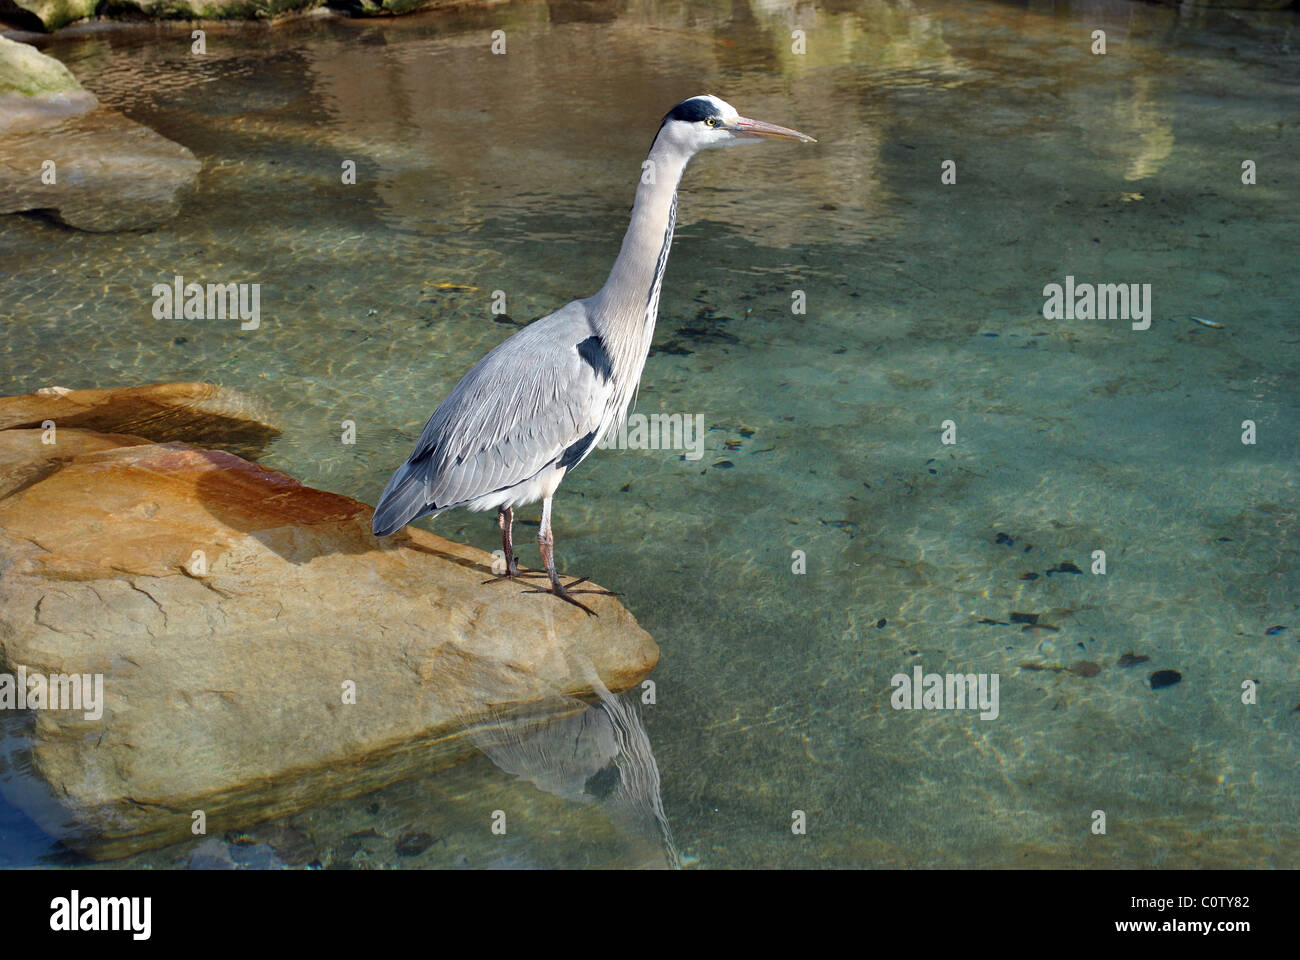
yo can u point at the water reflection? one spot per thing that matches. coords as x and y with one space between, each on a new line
588 753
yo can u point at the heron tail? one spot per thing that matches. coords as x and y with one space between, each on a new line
403 500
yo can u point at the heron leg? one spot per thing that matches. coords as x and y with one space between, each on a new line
547 543
506 521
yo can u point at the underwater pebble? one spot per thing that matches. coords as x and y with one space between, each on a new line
1029 576
1003 538
1023 617
1065 566
841 524
1273 631
881 623
724 465
1164 678
1085 668
413 844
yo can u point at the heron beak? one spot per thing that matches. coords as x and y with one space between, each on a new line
756 129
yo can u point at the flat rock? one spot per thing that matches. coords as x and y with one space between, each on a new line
228 608
199 413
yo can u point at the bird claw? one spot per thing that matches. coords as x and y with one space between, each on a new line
603 593
566 593
563 593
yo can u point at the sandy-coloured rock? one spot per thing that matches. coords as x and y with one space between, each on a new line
199 413
230 610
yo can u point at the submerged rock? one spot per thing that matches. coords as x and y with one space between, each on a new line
212 854
261 651
93 168
110 173
200 413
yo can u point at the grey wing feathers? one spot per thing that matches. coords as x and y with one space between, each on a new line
519 409
402 501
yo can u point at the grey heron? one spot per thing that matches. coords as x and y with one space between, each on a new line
537 404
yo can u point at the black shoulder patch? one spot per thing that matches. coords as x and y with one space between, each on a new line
576 451
593 351
693 110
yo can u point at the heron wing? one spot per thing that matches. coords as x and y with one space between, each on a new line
536 399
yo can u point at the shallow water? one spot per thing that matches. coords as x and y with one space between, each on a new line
924 304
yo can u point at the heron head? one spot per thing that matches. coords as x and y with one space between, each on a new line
708 121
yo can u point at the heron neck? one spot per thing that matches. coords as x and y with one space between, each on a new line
625 309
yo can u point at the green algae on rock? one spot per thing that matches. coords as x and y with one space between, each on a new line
379 8
27 71
50 14
36 89
207 9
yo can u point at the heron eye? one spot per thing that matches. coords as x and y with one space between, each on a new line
711 121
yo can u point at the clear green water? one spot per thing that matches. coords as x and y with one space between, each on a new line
924 305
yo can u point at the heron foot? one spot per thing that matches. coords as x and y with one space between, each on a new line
567 595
